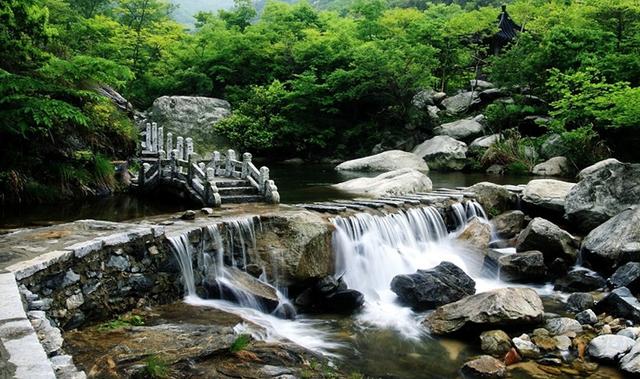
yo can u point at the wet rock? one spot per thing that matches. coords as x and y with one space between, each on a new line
527 266
428 289
329 295
563 342
508 224
461 102
484 366
546 196
632 333
477 233
495 169
627 275
605 189
119 262
385 161
443 153
494 197
463 130
614 242
237 285
512 357
630 363
563 325
390 183
609 347
580 301
188 215
556 166
497 308
544 343
525 347
495 342
620 303
545 236
580 281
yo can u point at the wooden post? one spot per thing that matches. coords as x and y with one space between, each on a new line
246 161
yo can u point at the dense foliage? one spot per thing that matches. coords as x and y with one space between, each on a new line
310 79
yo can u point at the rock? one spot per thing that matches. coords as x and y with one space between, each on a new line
427 97
627 275
620 303
525 267
580 280
119 262
493 197
484 366
492 94
477 233
630 363
580 301
562 325
385 161
427 289
615 242
553 146
74 301
465 130
526 348
344 301
461 102
497 308
556 166
546 195
605 190
594 168
563 342
587 317
395 182
495 169
508 224
207 211
188 215
329 295
632 333
480 84
237 285
544 343
512 357
482 143
495 342
191 116
545 236
443 153
70 277
609 347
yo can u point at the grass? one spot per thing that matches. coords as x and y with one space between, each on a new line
155 367
240 343
122 322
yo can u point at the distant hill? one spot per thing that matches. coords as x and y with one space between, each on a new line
187 8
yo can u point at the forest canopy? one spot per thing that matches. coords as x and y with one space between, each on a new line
321 79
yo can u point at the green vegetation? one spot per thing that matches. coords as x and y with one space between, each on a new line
156 368
309 79
122 322
240 343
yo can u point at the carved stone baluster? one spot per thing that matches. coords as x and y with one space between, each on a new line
246 161
154 137
231 155
189 146
160 139
169 142
147 137
174 157
180 148
189 169
215 162
264 177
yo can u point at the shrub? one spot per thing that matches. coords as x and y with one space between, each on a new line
240 343
513 152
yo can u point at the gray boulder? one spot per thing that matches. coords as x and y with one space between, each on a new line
427 289
614 242
630 363
620 303
562 325
522 267
466 129
492 94
480 84
477 233
546 195
495 342
580 301
443 153
461 102
605 189
485 366
236 281
192 116
482 143
395 182
497 308
508 224
385 161
627 275
427 97
587 317
494 197
610 347
545 236
556 166
580 280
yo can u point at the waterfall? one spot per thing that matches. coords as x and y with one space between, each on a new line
371 250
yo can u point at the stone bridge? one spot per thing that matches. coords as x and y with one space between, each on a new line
177 169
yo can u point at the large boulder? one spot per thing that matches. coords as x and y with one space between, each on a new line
466 129
556 166
495 342
543 196
523 267
508 224
443 153
494 197
497 308
461 102
580 301
627 275
329 295
236 285
385 161
395 182
630 363
192 116
580 280
485 366
545 236
483 143
610 347
427 289
480 84
477 233
605 189
615 242
427 97
620 303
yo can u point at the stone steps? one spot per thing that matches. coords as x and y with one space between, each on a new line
237 191
237 199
